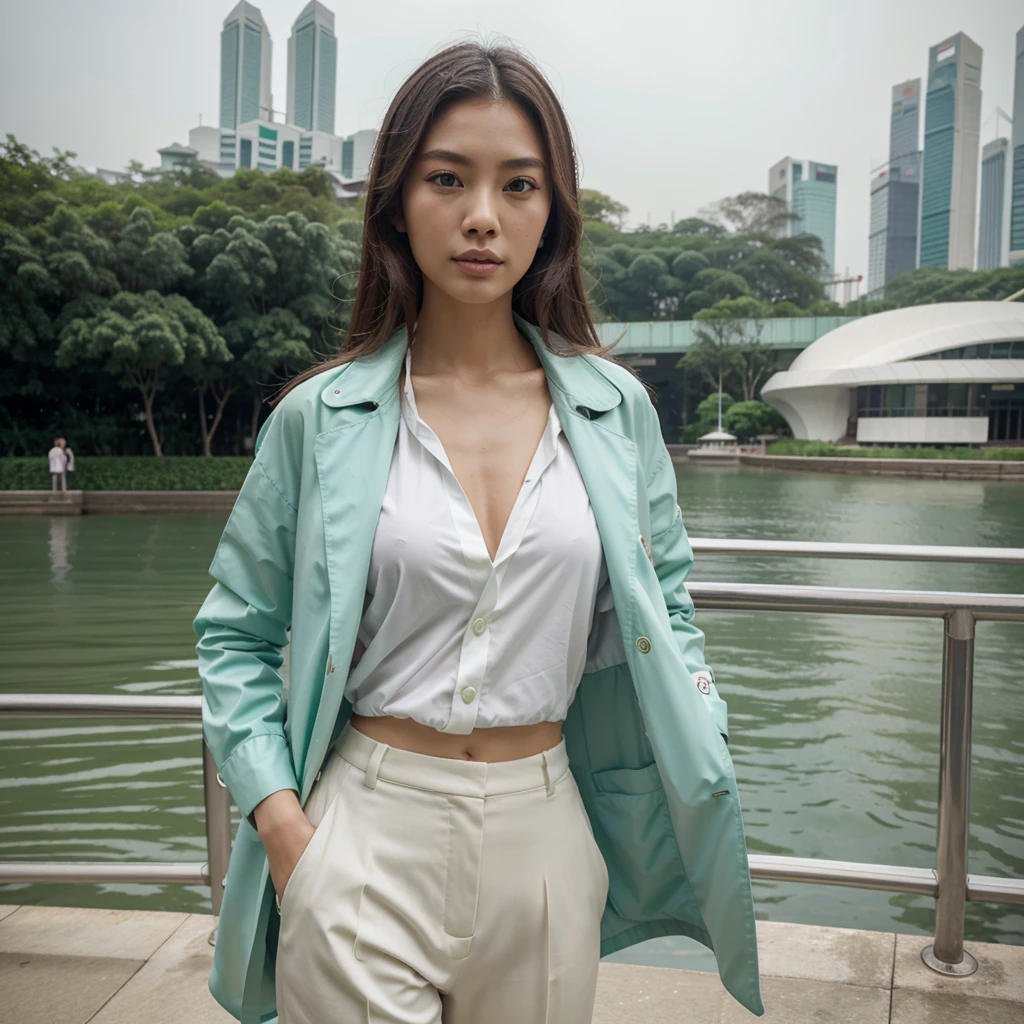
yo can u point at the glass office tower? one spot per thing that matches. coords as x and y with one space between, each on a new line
1016 255
949 177
245 51
312 69
895 191
809 189
991 228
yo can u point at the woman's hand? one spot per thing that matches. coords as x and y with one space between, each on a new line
285 832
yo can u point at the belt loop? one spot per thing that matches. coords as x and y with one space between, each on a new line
370 775
547 777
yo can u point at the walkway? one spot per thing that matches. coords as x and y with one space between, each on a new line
67 966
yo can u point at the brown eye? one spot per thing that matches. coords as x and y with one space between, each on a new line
444 178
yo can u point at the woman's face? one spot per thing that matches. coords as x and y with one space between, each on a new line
476 200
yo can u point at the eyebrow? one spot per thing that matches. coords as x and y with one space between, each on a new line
515 164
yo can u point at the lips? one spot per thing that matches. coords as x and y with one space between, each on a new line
477 256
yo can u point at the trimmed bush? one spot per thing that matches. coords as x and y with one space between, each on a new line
130 473
826 449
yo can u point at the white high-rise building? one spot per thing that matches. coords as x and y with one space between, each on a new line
245 56
312 69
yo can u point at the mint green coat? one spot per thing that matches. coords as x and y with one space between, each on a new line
645 742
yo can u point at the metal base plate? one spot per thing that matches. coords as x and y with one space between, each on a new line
961 970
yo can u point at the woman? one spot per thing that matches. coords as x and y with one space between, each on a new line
501 754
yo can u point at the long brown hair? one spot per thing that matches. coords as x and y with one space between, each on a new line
390 287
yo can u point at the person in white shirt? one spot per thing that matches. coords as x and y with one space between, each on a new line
442 867
58 466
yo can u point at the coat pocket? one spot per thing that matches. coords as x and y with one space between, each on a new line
647 880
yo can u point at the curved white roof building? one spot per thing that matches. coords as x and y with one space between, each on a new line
946 373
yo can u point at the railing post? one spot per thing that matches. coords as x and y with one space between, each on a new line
947 954
217 800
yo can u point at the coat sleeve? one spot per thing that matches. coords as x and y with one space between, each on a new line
673 560
244 624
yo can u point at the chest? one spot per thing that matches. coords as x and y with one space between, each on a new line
490 437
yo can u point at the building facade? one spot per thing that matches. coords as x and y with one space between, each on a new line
949 177
896 191
245 58
312 70
1016 254
944 373
248 136
993 214
809 190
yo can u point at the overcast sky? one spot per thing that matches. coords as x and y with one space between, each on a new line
674 105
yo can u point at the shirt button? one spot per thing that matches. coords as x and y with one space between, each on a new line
643 645
479 625
468 693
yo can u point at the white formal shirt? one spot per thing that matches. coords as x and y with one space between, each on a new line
453 640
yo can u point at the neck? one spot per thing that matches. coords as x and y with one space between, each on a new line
468 341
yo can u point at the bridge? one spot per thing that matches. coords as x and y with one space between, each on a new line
666 337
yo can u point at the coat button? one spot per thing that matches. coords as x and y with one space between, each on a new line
643 645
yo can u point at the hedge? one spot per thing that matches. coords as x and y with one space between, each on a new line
130 473
826 449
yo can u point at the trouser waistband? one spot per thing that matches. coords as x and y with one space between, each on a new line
454 776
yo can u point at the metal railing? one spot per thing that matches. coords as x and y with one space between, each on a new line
216 798
948 883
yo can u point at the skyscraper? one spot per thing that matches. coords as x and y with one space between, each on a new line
949 178
991 229
312 69
895 191
244 67
1017 188
809 189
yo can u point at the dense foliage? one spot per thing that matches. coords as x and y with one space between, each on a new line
130 473
156 314
825 449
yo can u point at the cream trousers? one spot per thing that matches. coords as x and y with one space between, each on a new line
441 890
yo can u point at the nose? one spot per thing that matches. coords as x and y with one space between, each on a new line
481 216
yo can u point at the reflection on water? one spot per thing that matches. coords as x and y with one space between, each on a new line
833 719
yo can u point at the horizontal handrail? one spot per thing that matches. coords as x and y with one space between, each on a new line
97 872
883 552
928 604
101 705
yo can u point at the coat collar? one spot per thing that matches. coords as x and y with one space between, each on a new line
579 381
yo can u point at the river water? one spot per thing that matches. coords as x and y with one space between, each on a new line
833 720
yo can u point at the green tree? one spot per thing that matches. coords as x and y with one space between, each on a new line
746 420
751 213
597 206
143 340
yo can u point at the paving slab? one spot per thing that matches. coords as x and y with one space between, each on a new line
172 987
797 1001
41 989
1000 973
82 931
846 955
6 910
910 1007
627 994
656 995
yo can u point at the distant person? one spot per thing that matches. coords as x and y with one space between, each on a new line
70 456
58 466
